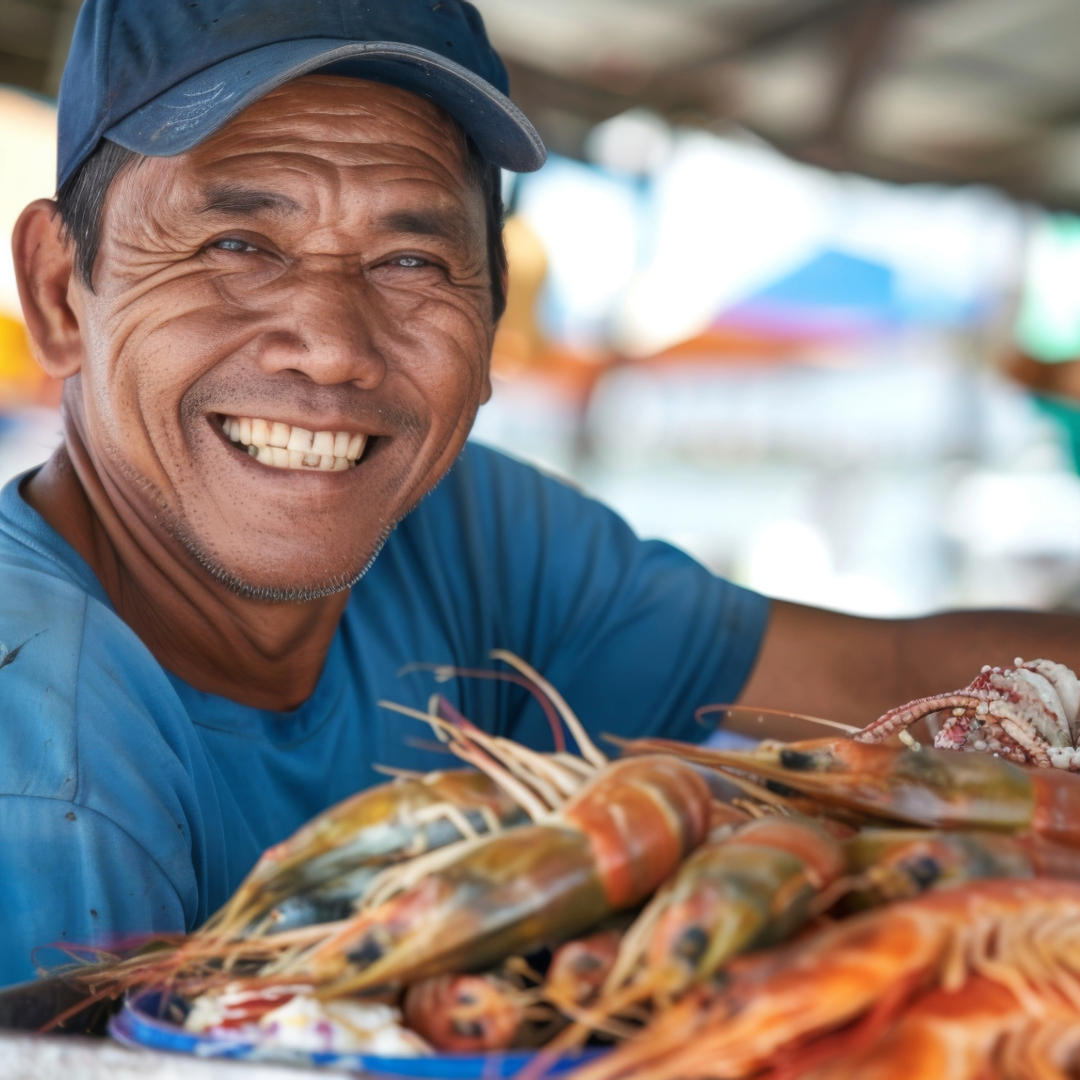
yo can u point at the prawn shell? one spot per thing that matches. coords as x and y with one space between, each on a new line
1057 805
374 827
944 1035
578 968
896 864
810 841
642 815
513 894
935 788
774 1002
747 891
939 788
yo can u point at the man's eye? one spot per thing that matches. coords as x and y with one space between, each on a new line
410 261
232 244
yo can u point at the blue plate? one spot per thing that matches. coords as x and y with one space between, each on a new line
138 1024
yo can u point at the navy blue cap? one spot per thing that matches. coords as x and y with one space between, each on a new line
159 76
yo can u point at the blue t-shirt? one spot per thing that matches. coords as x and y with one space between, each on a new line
131 802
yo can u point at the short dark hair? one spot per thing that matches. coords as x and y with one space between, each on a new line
80 203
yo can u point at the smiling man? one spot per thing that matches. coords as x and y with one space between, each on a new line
271 279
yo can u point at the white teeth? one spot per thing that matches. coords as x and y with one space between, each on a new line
323 443
272 442
300 439
260 433
279 434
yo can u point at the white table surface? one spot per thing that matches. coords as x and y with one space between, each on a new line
71 1057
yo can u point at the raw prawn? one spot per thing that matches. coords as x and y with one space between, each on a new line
742 889
606 850
835 992
896 864
466 1013
933 788
319 872
496 1010
967 1034
579 969
746 889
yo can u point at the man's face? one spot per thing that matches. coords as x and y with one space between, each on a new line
314 275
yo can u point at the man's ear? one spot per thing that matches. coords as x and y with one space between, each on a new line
44 269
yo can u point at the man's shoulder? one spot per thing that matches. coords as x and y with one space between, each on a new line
488 486
484 465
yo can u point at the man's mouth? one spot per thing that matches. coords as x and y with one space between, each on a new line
285 446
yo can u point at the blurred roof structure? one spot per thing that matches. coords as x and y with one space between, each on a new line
906 90
943 90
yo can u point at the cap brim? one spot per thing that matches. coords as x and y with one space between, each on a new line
187 113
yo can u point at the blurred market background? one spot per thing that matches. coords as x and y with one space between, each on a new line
798 289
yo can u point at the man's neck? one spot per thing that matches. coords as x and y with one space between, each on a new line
267 655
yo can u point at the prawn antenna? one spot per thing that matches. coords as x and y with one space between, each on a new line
589 750
446 672
706 710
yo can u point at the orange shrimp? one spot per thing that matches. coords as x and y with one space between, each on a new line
746 889
490 1011
468 907
465 1013
946 1035
850 982
740 890
935 788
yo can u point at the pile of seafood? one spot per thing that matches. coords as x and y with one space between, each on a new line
860 906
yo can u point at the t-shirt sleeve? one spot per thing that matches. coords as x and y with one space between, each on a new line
635 634
70 876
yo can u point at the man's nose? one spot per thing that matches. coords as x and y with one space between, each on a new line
329 327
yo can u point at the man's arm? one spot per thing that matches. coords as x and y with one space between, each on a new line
851 669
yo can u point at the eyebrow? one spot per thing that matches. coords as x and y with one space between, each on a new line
441 224
229 199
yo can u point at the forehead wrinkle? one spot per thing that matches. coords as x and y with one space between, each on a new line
316 102
335 113
310 159
237 200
